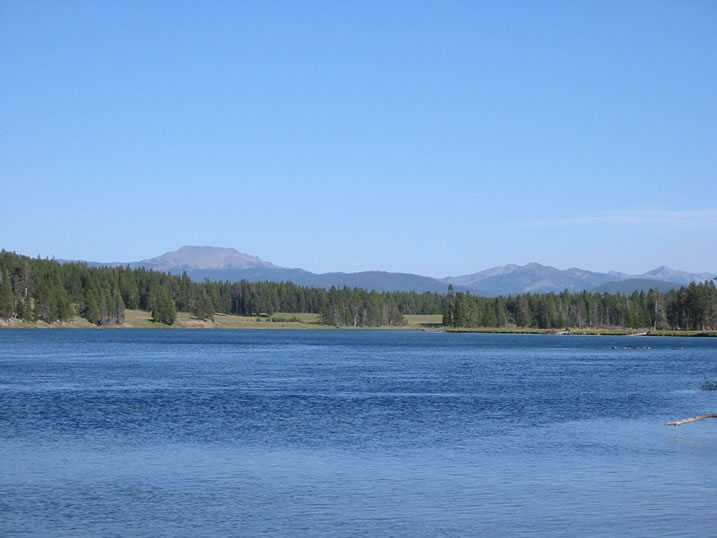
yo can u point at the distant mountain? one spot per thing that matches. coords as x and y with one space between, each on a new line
471 281
630 285
190 258
370 280
379 281
531 278
228 264
680 277
537 278
222 264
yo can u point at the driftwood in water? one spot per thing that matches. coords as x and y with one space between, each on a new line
693 419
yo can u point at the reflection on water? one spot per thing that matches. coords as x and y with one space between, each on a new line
355 432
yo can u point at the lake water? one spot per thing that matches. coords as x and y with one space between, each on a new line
372 433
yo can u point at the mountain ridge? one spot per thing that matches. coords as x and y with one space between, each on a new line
218 263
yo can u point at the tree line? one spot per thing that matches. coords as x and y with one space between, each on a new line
690 308
40 289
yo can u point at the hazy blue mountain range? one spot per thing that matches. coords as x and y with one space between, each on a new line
629 285
221 264
531 278
229 264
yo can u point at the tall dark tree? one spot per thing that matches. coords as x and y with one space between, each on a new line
202 306
164 310
7 297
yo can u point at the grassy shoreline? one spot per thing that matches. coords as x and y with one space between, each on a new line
139 319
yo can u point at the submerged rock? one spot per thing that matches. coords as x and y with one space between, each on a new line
708 384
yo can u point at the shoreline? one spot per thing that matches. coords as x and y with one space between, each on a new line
423 323
587 332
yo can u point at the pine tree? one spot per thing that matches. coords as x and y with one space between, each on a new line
91 311
164 311
170 311
20 309
7 297
449 314
118 307
202 306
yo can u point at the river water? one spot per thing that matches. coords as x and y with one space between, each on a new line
370 433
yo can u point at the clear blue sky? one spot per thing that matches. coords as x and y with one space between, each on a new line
439 138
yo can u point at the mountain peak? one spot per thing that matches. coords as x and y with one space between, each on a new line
205 257
681 277
660 269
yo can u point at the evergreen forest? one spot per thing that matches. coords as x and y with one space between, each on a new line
35 289
690 308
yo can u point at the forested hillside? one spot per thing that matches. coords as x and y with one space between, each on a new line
690 308
40 289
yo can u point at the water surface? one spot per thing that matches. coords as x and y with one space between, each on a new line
111 432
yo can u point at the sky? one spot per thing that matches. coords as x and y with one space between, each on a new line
438 138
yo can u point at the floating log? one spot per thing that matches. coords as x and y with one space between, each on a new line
693 419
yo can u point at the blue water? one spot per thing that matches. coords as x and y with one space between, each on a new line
334 433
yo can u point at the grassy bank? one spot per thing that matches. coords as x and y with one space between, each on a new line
139 319
684 333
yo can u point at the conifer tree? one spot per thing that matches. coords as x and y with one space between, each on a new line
119 306
7 297
164 311
20 309
91 311
201 306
